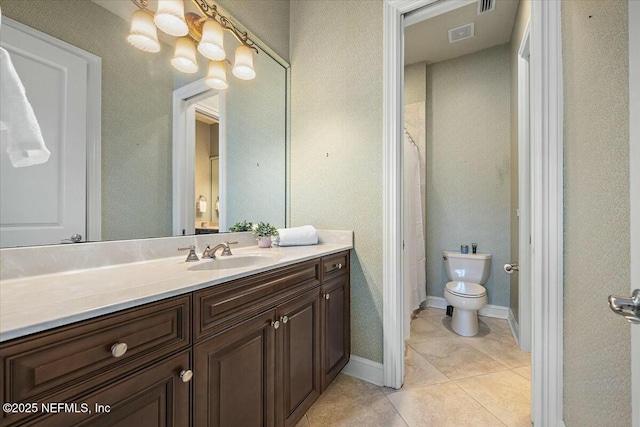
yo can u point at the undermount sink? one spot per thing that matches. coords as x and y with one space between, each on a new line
233 261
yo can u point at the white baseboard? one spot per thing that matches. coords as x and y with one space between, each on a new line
364 369
489 310
515 328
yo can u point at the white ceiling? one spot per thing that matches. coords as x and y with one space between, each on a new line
429 40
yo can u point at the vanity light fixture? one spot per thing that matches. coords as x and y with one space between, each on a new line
207 32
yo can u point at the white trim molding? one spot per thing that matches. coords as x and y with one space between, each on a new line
364 369
392 277
547 211
634 192
524 321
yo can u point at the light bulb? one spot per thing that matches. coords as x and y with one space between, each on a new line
212 45
243 65
143 34
217 75
184 58
170 18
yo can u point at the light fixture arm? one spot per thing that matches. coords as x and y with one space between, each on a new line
211 11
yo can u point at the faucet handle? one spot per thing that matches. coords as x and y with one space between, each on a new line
192 253
207 253
226 251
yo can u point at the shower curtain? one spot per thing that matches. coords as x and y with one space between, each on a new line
415 290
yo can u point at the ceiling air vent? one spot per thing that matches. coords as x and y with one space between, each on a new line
461 33
485 6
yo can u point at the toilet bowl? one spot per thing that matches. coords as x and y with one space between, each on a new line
464 291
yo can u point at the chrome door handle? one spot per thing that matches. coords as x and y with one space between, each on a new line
627 307
510 268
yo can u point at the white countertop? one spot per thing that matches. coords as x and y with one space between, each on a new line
37 303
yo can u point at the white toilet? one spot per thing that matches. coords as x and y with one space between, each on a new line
467 273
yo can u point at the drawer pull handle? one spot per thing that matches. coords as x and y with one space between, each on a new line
284 319
327 296
338 266
118 349
186 375
275 324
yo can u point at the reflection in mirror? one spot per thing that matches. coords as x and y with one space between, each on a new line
108 122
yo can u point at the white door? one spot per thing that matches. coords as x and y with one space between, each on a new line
46 203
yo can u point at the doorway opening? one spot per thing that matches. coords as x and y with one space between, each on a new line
463 106
207 166
547 196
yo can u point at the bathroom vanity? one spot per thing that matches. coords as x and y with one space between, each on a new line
256 350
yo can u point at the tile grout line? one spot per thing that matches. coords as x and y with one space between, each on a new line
480 403
396 409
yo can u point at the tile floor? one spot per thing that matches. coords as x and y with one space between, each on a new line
450 381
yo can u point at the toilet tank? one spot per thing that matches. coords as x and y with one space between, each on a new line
467 267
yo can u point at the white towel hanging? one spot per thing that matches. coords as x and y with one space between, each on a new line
18 123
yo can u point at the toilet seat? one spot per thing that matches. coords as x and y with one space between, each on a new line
466 289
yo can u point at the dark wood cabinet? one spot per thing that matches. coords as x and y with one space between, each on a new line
60 365
298 357
234 379
336 328
153 396
265 347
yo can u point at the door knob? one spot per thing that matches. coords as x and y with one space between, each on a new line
627 307
510 268
275 324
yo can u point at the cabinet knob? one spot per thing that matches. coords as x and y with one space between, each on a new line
118 349
284 319
338 266
327 296
186 375
275 324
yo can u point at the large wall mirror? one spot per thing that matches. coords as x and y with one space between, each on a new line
136 148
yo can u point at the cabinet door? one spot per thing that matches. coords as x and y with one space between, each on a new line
234 375
336 328
153 396
298 357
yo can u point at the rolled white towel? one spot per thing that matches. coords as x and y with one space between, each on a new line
25 143
297 236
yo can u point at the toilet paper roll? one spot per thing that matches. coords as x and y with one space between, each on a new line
510 268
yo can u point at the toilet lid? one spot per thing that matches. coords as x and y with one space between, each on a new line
466 289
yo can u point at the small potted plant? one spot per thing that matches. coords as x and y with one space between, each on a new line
263 233
241 226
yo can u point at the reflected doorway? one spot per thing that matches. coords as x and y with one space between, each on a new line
207 166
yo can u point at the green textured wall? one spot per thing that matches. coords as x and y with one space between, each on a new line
596 212
336 146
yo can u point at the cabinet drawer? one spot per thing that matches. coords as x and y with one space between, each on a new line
80 356
224 305
152 396
335 265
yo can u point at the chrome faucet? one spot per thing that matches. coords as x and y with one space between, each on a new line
211 252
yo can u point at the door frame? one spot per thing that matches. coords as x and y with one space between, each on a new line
634 195
547 187
524 194
184 156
